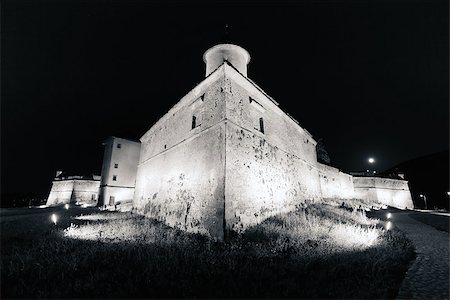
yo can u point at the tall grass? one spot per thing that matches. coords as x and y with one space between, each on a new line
320 251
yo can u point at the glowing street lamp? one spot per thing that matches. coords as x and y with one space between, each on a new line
371 160
54 218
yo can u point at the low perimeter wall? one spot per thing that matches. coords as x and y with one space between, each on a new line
77 191
335 184
391 192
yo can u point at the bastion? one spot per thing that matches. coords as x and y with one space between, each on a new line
226 157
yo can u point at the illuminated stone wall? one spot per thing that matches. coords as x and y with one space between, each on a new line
335 184
391 192
60 193
78 191
244 161
270 168
180 178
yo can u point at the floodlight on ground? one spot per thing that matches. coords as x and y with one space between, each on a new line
54 218
66 206
388 225
388 215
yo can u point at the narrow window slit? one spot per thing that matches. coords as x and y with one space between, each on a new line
194 122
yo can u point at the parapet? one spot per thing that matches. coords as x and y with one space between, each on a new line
237 56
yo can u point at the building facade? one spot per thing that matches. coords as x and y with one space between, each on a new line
119 169
226 157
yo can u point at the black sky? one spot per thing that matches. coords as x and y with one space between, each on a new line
371 79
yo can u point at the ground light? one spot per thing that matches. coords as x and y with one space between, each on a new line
388 215
388 225
54 218
66 206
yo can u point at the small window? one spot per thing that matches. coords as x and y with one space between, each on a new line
112 199
119 146
250 99
165 146
261 125
194 122
93 197
114 177
116 166
202 97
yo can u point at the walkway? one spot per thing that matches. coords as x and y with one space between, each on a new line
428 276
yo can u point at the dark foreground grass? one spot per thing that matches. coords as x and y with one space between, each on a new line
317 252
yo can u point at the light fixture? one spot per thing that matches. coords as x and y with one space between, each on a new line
388 225
388 215
54 218
66 206
371 160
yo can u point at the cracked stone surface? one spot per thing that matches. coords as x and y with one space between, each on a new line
428 275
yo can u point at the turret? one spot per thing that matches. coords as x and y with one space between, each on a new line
237 56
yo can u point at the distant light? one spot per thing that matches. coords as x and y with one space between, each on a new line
84 205
367 171
388 225
421 195
388 215
66 206
448 193
374 172
54 218
371 160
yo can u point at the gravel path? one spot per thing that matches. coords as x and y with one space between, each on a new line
428 276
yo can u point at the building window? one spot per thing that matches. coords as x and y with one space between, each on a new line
250 99
119 146
261 125
93 197
165 146
202 97
194 122
116 166
112 200
114 177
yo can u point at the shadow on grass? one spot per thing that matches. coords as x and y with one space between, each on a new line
271 260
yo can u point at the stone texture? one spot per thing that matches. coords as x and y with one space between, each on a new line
80 191
391 192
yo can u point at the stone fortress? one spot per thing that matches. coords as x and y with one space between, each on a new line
226 157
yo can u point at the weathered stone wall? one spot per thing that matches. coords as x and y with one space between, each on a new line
335 184
85 191
262 180
180 178
77 191
60 192
184 186
391 192
268 171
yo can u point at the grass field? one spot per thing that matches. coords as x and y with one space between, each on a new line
321 251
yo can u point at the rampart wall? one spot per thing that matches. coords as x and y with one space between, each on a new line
391 192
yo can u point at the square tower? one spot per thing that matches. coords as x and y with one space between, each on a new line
225 157
119 169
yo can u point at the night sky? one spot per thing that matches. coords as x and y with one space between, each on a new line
371 79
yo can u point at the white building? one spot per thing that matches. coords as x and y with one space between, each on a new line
119 169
